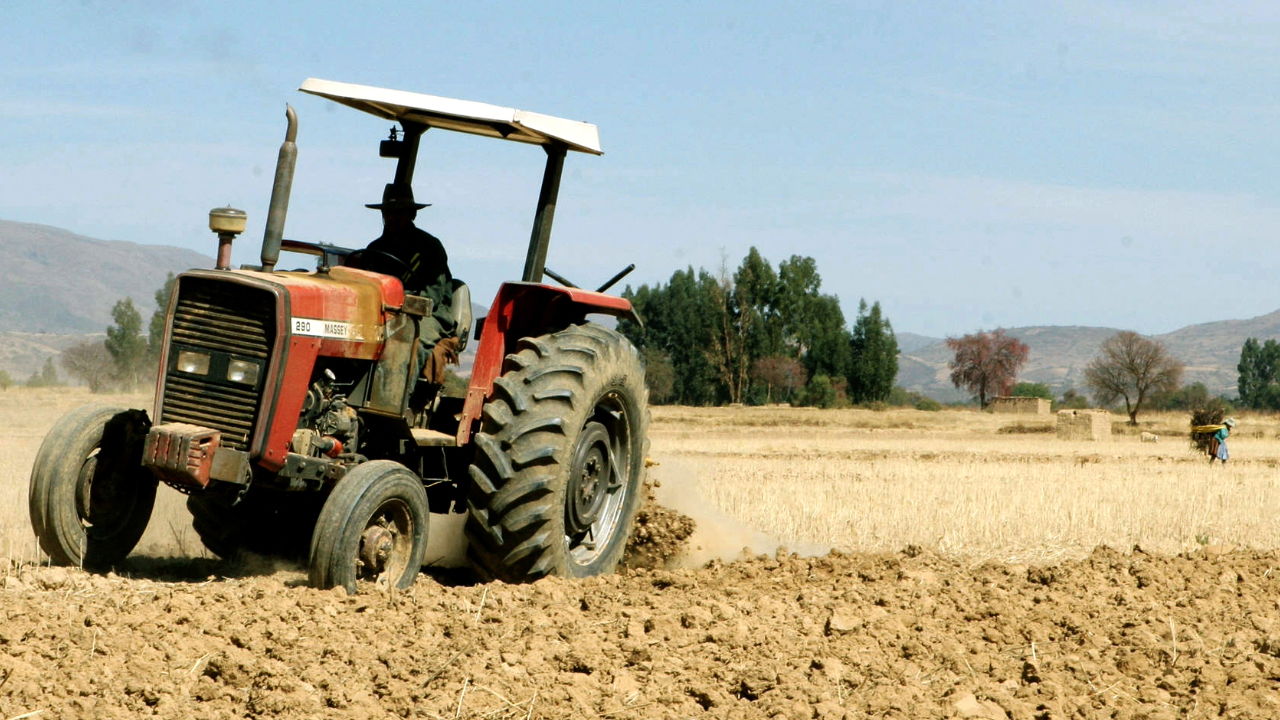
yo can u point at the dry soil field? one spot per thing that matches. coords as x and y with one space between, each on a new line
898 564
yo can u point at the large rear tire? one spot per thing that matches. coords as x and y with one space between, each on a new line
90 498
372 527
556 480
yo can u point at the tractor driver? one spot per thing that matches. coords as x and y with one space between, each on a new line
419 260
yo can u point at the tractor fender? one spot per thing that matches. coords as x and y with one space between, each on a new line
525 309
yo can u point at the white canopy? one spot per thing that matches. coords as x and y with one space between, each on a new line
460 115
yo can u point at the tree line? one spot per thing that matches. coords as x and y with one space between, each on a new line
126 358
1129 368
1259 379
757 335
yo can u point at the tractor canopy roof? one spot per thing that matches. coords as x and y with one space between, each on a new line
461 115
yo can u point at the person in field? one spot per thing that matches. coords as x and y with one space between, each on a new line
1218 446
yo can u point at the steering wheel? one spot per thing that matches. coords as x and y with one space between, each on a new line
380 261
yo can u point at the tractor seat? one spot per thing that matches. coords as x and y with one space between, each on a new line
460 309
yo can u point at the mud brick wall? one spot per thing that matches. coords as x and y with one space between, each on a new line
1084 425
1020 405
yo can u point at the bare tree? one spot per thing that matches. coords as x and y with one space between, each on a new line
783 373
1134 368
91 363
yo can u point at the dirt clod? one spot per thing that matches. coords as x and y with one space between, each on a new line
660 535
757 638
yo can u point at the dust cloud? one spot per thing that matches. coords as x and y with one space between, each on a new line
718 536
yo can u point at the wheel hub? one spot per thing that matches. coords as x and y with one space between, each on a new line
376 545
590 480
100 499
587 491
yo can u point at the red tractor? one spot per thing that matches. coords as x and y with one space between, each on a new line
288 406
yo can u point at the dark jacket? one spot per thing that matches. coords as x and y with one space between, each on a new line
425 270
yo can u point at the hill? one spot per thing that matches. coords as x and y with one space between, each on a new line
1059 355
57 288
55 281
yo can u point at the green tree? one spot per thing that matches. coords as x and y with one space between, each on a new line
125 343
829 350
1259 368
1072 400
679 320
798 284
758 286
6 380
46 376
821 392
873 351
712 329
811 323
1269 398
155 331
659 376
1188 397
1030 389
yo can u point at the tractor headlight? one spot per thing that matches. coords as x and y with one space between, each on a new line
193 362
242 371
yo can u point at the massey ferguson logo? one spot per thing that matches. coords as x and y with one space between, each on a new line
325 329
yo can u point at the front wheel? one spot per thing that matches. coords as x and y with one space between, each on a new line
372 527
90 498
555 485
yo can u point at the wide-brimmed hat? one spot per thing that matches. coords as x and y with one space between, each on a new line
397 197
1229 422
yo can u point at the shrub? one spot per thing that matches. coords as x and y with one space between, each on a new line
901 397
820 393
1073 401
928 404
1030 389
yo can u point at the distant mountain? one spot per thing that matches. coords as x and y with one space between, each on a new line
1059 355
56 282
910 342
57 289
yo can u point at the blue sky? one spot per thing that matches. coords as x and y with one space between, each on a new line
1070 163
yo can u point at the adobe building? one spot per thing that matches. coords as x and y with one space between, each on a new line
1084 425
1019 405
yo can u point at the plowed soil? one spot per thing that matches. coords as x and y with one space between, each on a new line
907 635
691 628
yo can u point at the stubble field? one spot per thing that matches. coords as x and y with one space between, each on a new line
897 564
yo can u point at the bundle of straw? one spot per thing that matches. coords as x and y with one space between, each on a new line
1205 421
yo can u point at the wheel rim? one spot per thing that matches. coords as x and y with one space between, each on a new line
100 502
596 492
386 543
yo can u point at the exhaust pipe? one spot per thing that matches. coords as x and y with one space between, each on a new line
280 193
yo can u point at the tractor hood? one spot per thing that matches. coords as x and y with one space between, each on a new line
343 311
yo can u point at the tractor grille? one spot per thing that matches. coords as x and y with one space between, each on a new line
228 321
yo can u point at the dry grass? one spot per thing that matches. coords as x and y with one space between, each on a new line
961 483
25 418
958 482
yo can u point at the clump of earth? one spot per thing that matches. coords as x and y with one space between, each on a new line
660 536
842 635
